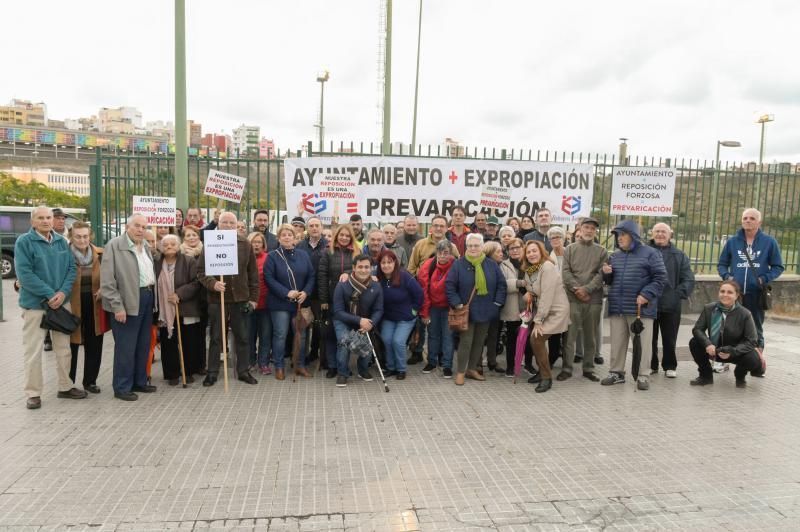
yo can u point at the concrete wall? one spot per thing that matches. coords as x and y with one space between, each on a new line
785 294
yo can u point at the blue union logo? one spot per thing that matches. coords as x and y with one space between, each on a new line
570 204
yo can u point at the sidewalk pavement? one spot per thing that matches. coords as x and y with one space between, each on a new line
426 456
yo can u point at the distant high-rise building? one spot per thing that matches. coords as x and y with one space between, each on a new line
266 149
123 120
159 128
245 140
24 113
218 142
195 134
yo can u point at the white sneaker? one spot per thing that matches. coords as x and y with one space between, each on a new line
671 373
719 367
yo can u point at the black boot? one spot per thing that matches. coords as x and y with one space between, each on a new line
416 358
544 385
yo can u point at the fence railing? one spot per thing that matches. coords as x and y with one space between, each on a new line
116 178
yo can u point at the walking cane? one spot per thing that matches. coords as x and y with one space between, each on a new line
224 350
180 342
377 363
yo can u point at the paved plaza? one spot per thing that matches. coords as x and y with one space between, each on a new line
426 456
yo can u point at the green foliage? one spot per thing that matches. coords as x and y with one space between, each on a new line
14 192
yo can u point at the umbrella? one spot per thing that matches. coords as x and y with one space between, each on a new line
300 324
322 330
636 328
522 340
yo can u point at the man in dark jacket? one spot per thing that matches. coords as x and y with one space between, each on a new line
679 286
753 259
543 220
636 276
315 246
241 297
261 224
357 306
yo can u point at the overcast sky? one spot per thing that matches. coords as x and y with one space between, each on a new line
672 76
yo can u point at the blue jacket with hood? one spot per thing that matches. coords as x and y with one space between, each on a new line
640 270
766 257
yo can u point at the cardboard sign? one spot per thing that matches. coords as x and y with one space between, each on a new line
643 191
495 198
158 211
221 253
225 186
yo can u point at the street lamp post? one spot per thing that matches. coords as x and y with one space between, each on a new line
715 189
322 78
763 119
416 85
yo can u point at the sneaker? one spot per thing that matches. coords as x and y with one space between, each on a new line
428 368
341 381
510 373
265 370
365 375
719 367
643 384
599 360
613 378
33 403
671 373
331 373
447 373
653 372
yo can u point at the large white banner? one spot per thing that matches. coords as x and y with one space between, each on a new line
642 191
383 189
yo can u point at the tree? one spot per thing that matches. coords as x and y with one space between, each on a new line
14 192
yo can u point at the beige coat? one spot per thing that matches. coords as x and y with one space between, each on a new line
552 305
75 298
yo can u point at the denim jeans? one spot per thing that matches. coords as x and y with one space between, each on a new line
132 344
281 321
342 354
440 339
395 336
260 337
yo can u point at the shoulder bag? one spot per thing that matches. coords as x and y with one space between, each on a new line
458 318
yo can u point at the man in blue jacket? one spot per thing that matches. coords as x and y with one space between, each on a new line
46 271
753 259
357 306
636 275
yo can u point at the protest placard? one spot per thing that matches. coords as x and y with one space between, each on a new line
642 191
225 186
495 198
159 211
221 252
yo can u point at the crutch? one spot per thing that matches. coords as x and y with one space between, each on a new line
180 342
377 363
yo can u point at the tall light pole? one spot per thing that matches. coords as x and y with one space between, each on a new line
416 84
387 86
181 133
715 189
322 78
763 119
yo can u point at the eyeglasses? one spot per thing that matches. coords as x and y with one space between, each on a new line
514 248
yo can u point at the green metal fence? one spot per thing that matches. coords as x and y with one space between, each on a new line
115 179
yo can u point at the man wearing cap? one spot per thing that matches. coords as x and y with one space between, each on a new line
60 222
543 220
636 276
299 226
492 226
679 286
583 281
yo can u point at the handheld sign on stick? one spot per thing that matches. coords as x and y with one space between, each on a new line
222 259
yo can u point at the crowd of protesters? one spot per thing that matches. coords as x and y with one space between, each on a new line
529 293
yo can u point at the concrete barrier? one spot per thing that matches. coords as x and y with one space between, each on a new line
785 294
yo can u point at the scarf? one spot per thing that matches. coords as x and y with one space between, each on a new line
82 259
166 287
192 251
718 318
358 289
533 268
480 276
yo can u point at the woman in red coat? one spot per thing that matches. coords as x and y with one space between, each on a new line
431 277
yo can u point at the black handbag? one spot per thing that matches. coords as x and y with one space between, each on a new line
765 297
59 319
